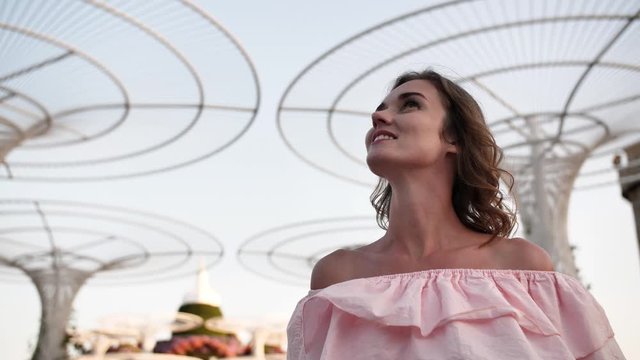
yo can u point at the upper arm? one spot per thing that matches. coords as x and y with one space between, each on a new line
527 255
329 270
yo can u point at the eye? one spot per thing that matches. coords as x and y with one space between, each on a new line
410 103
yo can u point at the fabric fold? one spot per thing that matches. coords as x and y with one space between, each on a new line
534 314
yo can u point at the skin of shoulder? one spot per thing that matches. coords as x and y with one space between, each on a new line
526 255
331 269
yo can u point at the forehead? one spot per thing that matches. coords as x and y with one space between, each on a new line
423 87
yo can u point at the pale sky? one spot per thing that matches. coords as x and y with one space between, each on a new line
258 184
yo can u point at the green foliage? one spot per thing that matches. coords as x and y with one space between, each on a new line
206 312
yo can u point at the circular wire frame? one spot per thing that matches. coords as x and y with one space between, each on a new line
139 323
112 245
287 254
567 74
92 90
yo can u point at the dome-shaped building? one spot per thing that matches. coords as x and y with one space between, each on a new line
203 301
202 342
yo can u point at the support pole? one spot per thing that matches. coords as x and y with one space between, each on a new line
543 188
630 183
57 288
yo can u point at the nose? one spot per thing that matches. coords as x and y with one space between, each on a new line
380 117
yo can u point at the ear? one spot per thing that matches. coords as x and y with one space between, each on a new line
452 147
449 137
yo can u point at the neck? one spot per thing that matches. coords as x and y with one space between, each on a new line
422 219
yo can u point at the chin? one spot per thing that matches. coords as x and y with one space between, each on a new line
381 165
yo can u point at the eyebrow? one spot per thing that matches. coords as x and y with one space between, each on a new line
402 96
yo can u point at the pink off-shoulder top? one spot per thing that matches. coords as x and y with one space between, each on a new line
453 314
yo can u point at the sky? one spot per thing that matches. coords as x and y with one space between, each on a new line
258 184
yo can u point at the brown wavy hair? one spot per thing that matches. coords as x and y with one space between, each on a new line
476 197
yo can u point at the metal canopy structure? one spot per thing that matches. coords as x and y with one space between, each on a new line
61 246
137 328
80 79
558 81
288 253
148 326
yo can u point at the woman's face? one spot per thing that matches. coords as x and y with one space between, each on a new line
407 129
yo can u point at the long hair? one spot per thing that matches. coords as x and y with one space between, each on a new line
476 196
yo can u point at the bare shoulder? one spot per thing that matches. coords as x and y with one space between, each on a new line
522 254
332 269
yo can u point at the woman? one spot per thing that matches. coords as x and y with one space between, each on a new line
445 281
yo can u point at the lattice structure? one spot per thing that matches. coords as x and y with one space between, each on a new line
94 90
559 82
288 253
62 245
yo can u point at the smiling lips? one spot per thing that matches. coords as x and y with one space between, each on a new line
381 135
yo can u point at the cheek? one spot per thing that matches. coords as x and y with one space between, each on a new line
428 144
367 138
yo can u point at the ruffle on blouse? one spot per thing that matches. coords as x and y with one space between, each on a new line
551 309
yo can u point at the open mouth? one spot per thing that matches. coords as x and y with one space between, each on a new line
382 136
